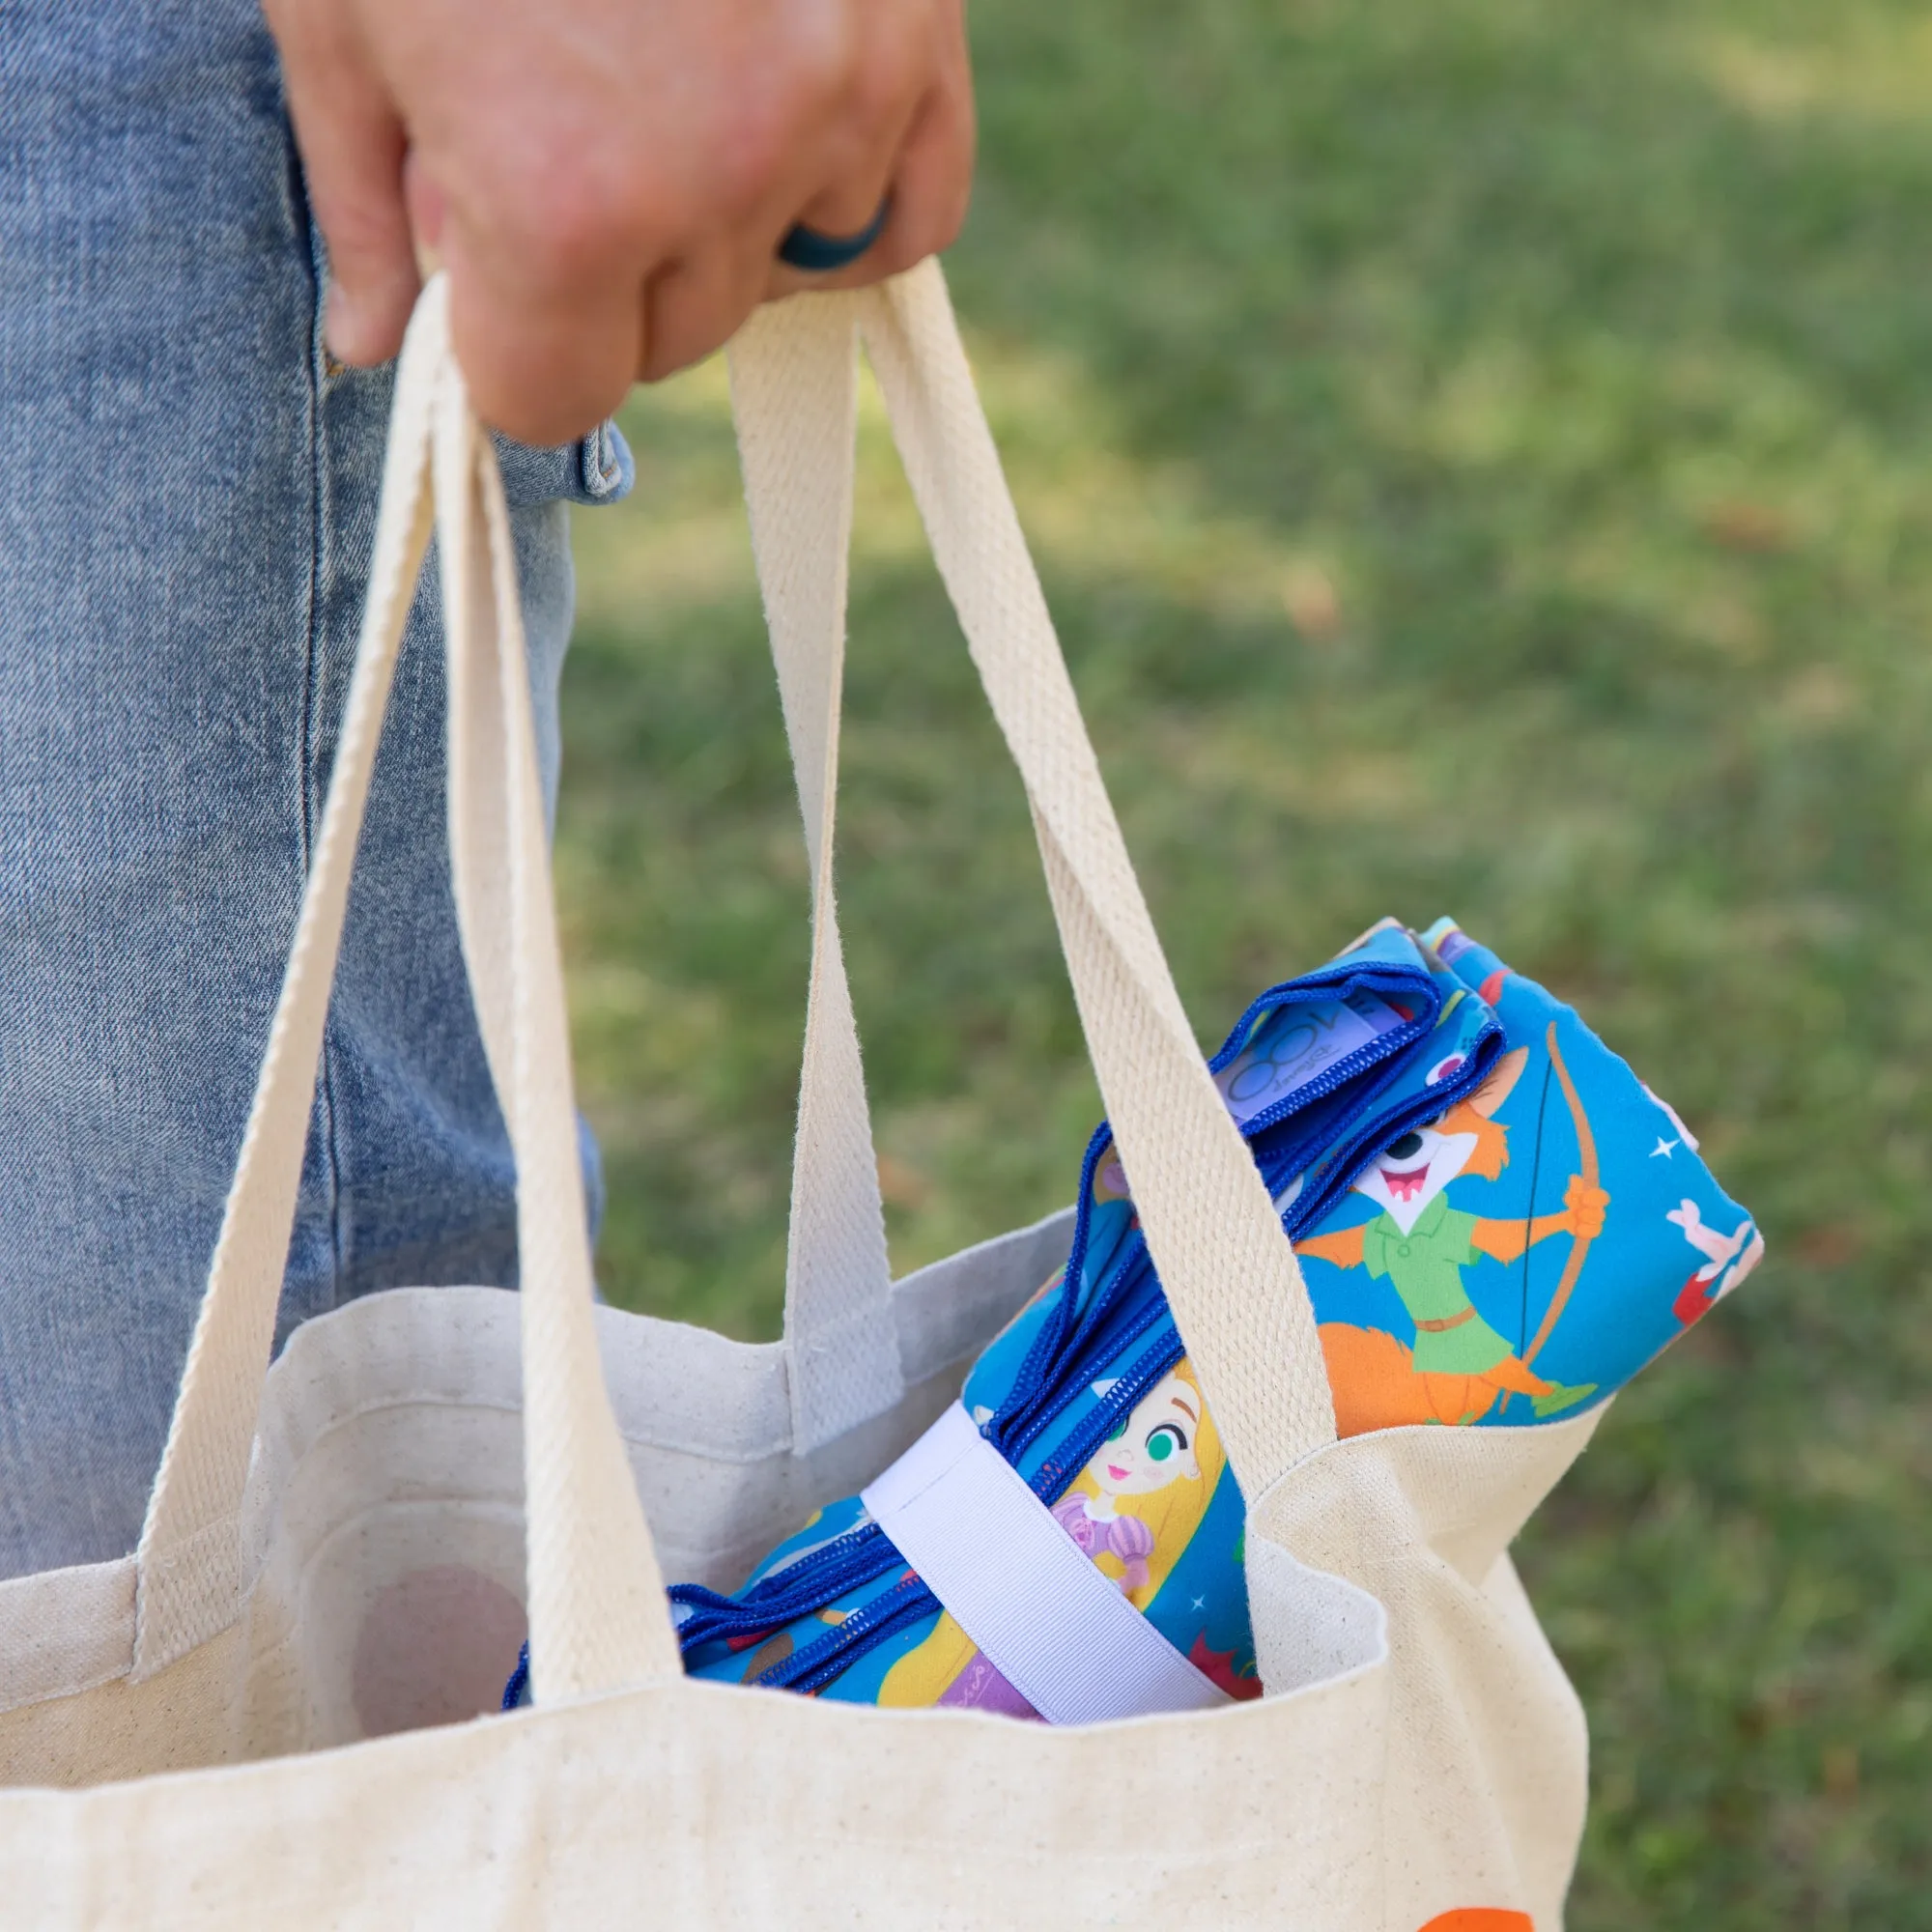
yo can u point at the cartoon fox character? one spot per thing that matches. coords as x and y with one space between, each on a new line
1459 1366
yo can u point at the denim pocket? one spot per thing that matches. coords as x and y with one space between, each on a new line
598 469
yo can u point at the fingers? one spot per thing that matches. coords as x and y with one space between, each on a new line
695 305
914 147
545 356
607 184
351 147
1586 1205
930 178
934 179
931 189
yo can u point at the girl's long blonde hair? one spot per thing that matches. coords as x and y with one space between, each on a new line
1172 1513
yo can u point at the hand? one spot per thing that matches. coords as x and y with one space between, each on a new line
606 181
1585 1204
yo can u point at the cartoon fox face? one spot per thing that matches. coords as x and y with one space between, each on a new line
1415 1171
1467 1139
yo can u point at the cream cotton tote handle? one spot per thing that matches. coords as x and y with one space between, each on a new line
842 1340
188 1559
1230 1274
598 1618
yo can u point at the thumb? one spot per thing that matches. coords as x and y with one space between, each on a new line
352 149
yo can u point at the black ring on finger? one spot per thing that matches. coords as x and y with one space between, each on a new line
819 254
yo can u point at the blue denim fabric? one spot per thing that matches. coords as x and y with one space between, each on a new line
188 497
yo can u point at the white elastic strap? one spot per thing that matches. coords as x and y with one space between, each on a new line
1059 1631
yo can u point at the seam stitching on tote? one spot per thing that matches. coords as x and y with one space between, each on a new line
439 1399
432 1398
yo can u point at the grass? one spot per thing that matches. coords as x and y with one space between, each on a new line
1475 449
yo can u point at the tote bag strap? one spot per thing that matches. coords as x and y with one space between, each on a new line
598 1618
1231 1277
188 1560
841 1343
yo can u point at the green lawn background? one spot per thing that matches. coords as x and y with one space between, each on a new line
1477 453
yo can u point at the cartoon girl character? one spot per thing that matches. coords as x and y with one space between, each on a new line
1155 1447
1132 1510
1459 1367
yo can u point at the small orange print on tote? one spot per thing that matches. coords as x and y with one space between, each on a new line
1479 1918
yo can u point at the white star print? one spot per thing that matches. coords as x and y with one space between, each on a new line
1663 1148
1201 1603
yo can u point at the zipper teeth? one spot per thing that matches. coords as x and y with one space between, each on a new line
1380 982
1349 1068
1041 1368
1155 1310
843 1646
1318 1200
1053 1335
1324 1083
830 1555
1058 1474
1015 1417
871 1624
718 1617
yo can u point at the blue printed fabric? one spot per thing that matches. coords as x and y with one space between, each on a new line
1498 1224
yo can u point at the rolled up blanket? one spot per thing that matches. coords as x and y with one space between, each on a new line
1498 1224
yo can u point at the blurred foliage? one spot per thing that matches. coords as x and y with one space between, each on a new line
1474 449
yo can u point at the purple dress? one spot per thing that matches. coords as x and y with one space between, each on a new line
981 1686
1125 1537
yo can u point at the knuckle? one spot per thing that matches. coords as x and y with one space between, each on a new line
930 228
777 114
751 151
367 236
563 201
944 226
883 81
541 404
802 86
825 45
565 225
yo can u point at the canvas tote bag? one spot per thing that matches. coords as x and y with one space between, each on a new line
253 1720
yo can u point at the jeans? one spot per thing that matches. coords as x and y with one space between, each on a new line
188 497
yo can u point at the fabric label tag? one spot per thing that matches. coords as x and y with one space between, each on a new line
1295 1045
